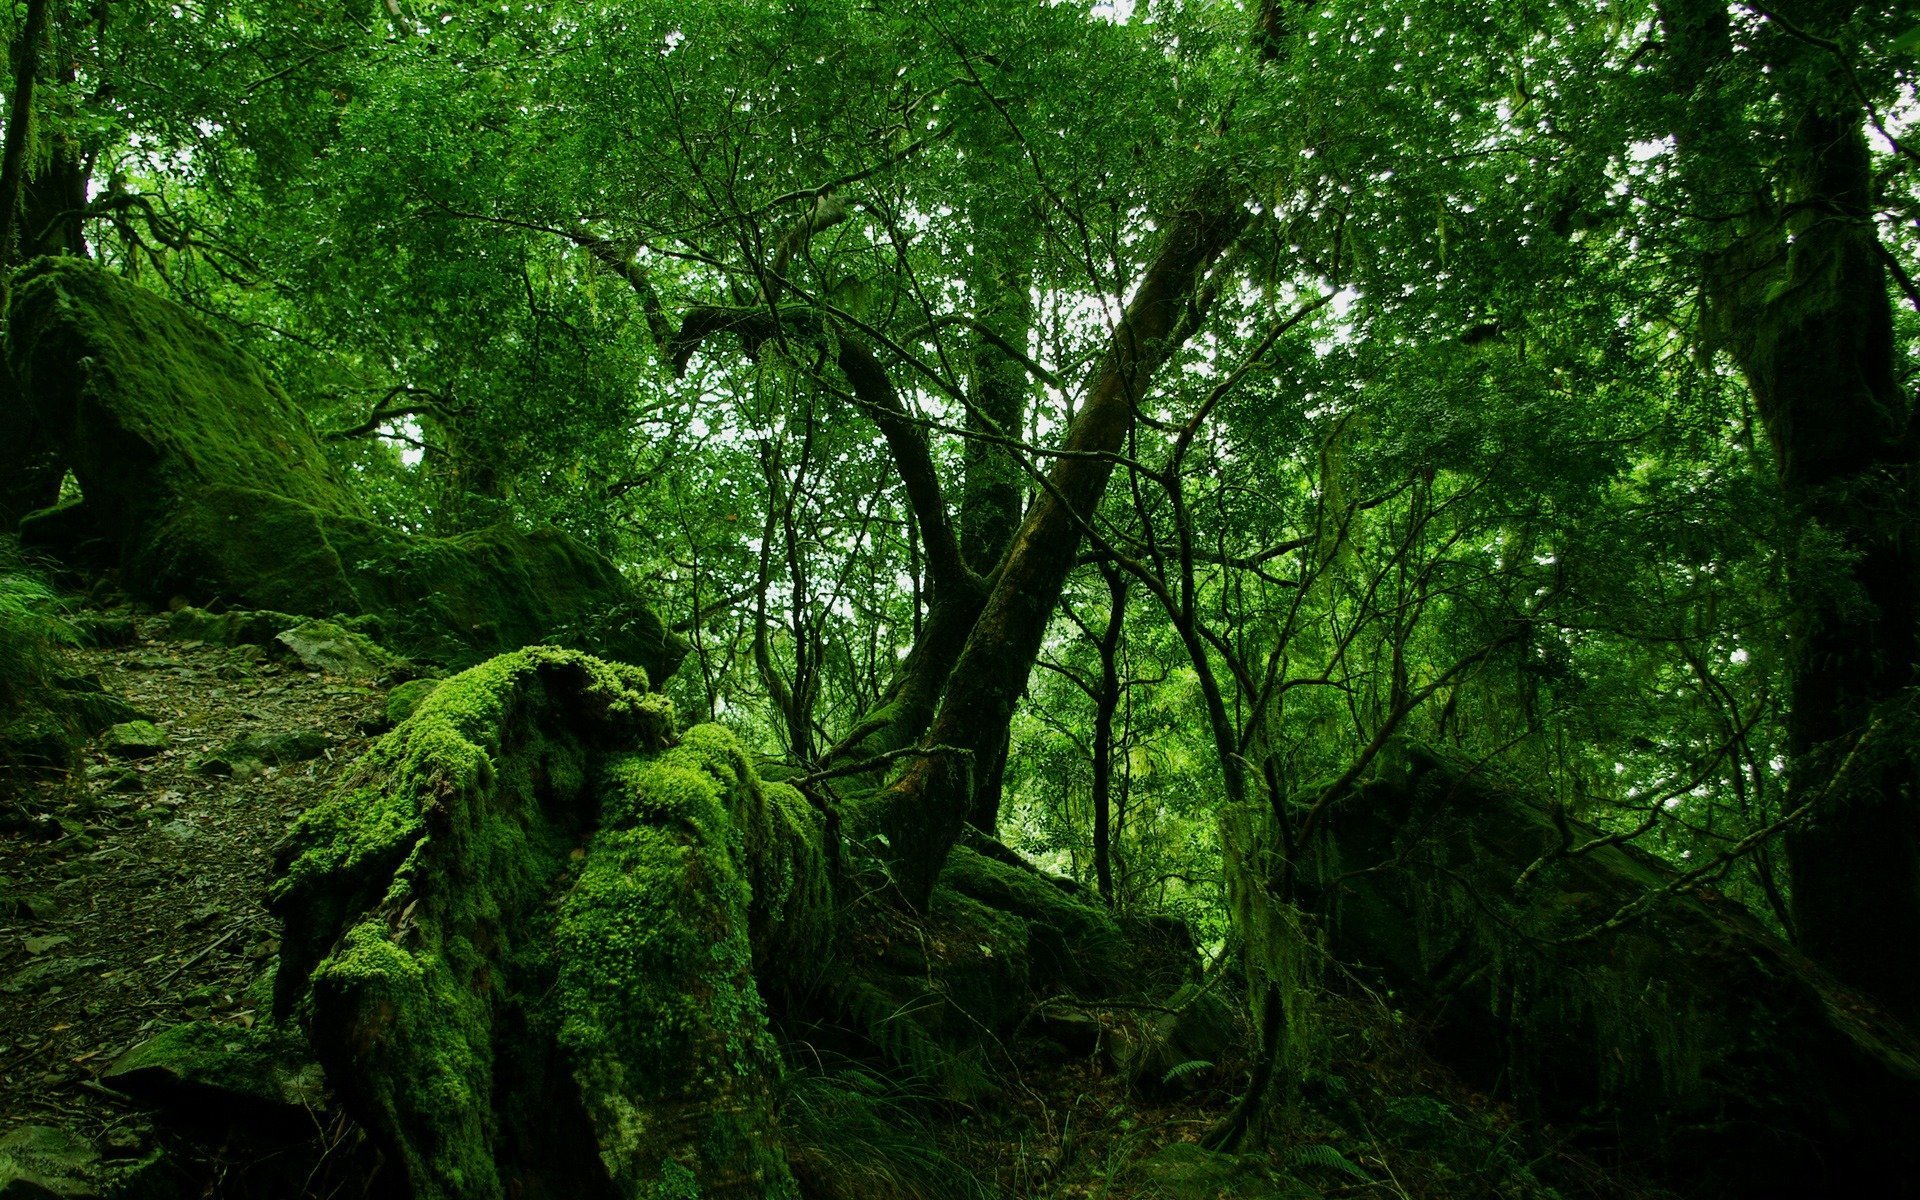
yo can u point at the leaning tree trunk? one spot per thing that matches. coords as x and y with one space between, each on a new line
920 815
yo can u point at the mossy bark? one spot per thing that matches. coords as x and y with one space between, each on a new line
1687 1037
524 937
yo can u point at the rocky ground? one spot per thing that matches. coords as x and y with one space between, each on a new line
132 889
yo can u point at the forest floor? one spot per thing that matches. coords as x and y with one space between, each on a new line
132 898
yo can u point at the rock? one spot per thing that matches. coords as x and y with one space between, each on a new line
134 739
206 481
39 1162
327 647
236 628
402 700
43 973
1691 1039
106 630
275 749
200 1065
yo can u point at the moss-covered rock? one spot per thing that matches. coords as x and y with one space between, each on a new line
332 649
134 739
1183 1171
1664 1021
199 1064
525 935
207 479
39 1162
405 698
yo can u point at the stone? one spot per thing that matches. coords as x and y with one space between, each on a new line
402 700
200 1064
205 481
333 650
39 1162
236 628
134 739
277 748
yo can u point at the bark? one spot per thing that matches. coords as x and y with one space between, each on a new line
1800 299
1106 706
992 491
19 143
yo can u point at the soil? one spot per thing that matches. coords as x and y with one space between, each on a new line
131 897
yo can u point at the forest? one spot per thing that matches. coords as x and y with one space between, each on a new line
1183 599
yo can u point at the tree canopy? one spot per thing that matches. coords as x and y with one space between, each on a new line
1120 430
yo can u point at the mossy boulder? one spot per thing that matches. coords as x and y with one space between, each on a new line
209 484
405 698
134 739
1662 1020
200 1065
527 934
40 1162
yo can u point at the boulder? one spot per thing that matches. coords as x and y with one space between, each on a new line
402 700
329 648
1685 1036
200 1065
39 1162
208 483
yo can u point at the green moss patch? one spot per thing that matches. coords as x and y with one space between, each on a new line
524 936
209 483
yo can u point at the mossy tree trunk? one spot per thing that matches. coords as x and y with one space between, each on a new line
1799 296
530 938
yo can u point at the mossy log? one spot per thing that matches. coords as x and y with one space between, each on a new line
1690 1039
537 934
206 481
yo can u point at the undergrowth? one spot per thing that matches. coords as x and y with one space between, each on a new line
852 1133
35 719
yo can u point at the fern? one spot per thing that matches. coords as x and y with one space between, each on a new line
1181 1070
1319 1154
32 636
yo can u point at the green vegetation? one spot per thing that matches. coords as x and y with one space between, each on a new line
1273 598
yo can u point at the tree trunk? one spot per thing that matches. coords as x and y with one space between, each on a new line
1801 302
917 819
1106 705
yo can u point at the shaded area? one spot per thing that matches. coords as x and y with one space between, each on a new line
1688 1037
202 480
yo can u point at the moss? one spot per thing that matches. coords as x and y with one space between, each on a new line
1072 942
211 484
145 401
528 942
199 1063
657 1004
404 699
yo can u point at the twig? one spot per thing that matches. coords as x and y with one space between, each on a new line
218 942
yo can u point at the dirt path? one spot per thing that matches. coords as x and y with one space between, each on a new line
134 900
